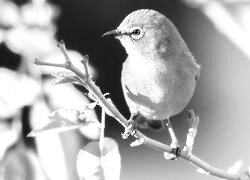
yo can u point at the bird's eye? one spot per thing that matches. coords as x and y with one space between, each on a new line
136 33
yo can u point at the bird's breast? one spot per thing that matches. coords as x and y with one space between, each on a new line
141 76
157 89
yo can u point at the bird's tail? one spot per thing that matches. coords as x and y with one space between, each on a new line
144 123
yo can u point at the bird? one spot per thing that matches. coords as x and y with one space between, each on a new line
159 75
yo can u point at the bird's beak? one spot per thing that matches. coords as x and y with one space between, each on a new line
114 32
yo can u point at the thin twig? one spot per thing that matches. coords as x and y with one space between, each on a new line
101 140
37 62
62 47
91 86
85 61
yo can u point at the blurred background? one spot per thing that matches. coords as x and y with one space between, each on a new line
218 34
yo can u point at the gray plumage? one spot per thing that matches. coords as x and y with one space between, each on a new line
159 75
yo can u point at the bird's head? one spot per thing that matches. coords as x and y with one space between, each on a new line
142 31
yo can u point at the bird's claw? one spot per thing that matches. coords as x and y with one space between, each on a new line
193 119
174 154
130 130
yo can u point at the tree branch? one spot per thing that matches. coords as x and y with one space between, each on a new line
86 80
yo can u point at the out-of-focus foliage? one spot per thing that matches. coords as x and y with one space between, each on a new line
231 18
22 164
67 119
96 164
17 90
29 30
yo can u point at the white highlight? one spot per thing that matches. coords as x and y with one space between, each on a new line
227 25
202 171
49 147
235 168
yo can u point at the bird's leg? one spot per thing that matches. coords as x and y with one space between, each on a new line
132 126
174 144
172 133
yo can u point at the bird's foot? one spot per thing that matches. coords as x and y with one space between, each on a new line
176 150
130 129
192 131
175 153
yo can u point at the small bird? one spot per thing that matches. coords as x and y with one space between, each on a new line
159 75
